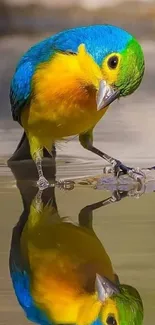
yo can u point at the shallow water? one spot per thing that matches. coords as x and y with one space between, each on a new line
125 226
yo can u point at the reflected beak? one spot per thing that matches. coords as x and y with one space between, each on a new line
106 95
105 288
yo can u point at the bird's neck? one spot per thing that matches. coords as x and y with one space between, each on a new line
71 307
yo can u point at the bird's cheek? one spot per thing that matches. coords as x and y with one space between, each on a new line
109 307
111 76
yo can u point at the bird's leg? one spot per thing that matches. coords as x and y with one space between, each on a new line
86 214
86 141
38 200
42 181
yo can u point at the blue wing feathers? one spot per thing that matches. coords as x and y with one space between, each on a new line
21 283
21 84
20 91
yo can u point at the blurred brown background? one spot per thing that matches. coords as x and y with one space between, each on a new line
33 16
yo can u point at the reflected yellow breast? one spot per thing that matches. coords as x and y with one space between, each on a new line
64 260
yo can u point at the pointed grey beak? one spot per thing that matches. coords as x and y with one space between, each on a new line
105 288
105 95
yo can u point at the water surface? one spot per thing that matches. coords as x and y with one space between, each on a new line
124 225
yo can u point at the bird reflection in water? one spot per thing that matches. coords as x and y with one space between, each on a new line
60 271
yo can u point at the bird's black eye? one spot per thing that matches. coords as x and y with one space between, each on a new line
113 62
111 320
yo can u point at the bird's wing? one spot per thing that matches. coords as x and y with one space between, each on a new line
21 280
20 90
21 286
21 283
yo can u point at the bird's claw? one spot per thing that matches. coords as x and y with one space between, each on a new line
42 183
65 185
134 173
137 174
137 192
108 169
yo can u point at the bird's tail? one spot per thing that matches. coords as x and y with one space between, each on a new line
22 151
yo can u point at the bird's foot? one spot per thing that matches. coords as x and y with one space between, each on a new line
134 173
137 191
42 183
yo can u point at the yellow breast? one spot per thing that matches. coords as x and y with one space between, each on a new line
64 101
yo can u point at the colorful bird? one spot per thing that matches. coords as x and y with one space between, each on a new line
61 272
63 86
